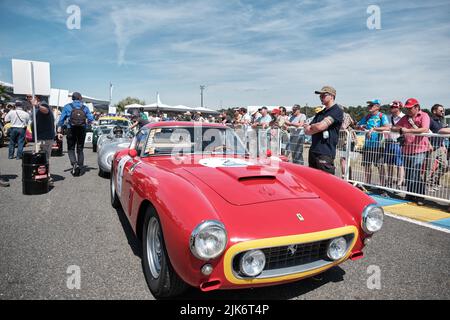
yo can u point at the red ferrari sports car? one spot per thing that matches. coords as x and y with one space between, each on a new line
210 215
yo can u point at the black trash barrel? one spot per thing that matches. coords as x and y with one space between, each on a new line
34 173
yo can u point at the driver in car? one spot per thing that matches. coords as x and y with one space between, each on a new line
118 132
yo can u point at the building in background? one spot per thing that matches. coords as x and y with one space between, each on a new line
99 105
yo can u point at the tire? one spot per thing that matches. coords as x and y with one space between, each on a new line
103 174
161 278
115 201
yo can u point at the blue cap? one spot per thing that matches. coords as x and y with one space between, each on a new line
374 101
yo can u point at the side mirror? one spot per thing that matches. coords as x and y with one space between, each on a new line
132 153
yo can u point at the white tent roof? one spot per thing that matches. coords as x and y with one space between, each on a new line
6 84
133 105
159 106
205 110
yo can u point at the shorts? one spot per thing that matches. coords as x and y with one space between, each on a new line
393 154
321 162
372 156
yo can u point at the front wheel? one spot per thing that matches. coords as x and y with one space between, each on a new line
161 278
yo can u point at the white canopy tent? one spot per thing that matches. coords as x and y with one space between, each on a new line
133 106
159 106
206 110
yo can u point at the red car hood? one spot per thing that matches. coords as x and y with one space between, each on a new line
252 184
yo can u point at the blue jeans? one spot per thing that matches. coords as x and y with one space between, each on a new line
17 135
413 171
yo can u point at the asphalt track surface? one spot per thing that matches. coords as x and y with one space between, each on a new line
74 224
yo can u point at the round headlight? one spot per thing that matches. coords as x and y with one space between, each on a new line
252 263
208 240
337 248
372 219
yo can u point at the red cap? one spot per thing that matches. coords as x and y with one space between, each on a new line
276 111
411 102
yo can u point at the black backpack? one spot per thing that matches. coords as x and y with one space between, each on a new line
77 117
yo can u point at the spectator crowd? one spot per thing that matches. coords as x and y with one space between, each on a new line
392 143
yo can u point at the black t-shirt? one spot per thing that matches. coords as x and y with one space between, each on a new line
323 145
435 126
45 125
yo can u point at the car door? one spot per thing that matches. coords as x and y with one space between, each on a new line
128 169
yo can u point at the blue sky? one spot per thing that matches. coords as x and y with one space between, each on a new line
245 52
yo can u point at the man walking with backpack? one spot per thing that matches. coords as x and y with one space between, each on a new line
78 115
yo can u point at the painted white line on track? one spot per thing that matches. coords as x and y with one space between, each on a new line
420 223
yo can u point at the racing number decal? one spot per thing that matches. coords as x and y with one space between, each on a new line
120 168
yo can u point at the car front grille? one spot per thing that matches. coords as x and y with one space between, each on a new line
289 256
292 258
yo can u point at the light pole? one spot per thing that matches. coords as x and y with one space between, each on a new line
110 97
202 87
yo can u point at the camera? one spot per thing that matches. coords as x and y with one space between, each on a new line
401 140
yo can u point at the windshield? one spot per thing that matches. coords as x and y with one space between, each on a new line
125 133
103 122
193 140
104 130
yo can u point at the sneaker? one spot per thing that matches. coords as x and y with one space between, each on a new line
420 203
74 169
77 171
4 183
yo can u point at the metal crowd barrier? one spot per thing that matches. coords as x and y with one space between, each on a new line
288 143
416 164
419 168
